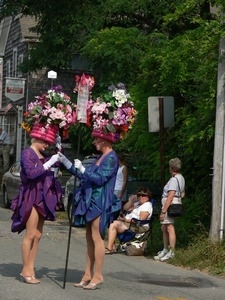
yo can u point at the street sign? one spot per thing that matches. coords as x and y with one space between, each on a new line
52 74
153 112
14 88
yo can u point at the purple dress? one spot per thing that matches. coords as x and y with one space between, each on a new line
95 195
38 189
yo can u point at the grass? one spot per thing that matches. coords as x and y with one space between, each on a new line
203 255
198 253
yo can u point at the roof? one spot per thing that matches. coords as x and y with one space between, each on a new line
27 22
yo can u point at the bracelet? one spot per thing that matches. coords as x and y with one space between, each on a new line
163 213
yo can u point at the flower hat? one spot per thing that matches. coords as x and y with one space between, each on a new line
112 115
53 109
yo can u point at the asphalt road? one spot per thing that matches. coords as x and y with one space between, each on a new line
125 278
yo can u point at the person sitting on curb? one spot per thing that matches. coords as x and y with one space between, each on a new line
139 207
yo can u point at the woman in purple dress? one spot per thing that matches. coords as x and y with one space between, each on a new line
94 205
38 196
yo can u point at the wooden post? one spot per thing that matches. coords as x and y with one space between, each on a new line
161 133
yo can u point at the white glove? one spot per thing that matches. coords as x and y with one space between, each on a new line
51 161
78 165
65 161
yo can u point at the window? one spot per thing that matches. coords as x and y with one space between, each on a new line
8 123
20 61
8 68
14 64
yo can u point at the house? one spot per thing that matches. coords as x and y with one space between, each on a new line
17 89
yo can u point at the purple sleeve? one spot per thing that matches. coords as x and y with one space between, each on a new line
31 166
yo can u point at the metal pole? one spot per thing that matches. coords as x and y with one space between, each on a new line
71 213
161 133
19 132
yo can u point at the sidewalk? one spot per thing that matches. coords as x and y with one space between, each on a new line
125 277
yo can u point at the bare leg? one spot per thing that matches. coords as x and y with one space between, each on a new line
171 235
89 255
95 253
114 228
31 240
165 236
99 251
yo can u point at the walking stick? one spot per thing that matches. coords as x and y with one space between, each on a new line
70 217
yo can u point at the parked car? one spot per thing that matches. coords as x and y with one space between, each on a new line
11 182
133 185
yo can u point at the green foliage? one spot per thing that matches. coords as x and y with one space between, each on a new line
115 53
156 48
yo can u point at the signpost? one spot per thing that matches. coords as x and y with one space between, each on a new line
161 116
52 75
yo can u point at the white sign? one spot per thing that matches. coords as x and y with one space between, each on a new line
153 112
82 100
52 74
14 88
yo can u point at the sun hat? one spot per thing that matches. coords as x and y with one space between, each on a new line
48 113
44 132
109 136
112 114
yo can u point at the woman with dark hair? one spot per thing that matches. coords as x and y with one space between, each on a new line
139 207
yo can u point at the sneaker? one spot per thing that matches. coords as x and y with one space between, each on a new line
169 255
160 254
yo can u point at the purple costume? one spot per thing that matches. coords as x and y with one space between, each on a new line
39 189
95 195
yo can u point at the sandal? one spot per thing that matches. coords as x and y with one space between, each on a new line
82 283
108 251
29 279
92 286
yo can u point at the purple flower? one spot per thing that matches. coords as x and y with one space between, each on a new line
57 88
121 85
111 87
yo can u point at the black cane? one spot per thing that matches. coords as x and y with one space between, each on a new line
70 217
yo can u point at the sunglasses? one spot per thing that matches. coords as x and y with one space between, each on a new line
141 195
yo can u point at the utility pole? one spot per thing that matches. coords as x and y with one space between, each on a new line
218 192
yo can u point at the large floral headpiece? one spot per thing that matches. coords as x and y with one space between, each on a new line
51 109
112 114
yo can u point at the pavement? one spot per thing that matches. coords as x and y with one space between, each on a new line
125 277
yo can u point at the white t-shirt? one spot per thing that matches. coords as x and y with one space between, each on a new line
147 206
119 179
172 185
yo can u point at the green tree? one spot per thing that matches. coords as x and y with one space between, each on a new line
155 48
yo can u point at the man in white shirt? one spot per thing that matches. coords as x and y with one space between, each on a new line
5 145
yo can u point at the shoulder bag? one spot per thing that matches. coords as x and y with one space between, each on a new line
176 209
135 248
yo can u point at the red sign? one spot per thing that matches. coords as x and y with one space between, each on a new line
14 89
